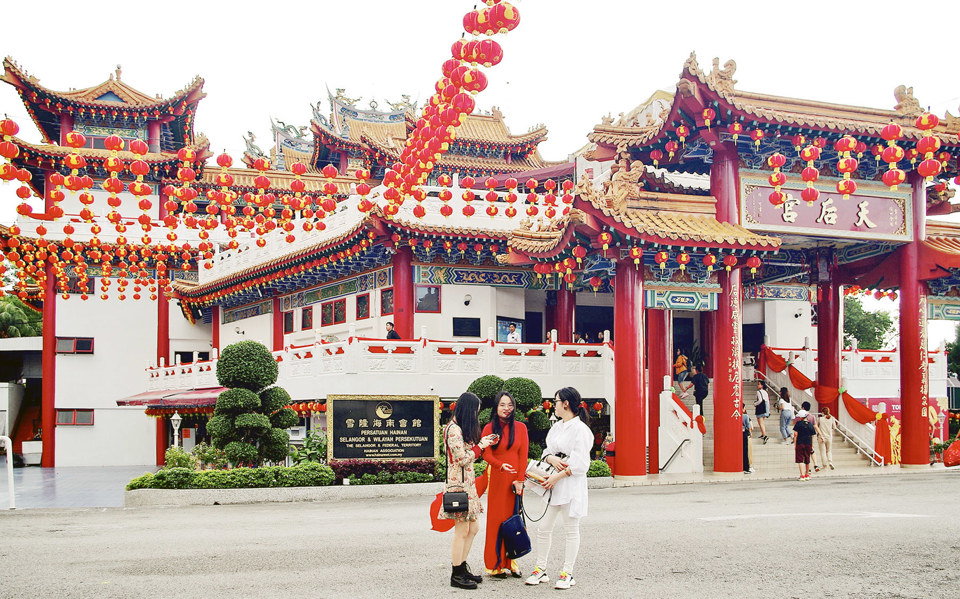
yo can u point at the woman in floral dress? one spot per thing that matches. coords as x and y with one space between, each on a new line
464 446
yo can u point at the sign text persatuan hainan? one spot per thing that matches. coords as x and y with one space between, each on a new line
382 427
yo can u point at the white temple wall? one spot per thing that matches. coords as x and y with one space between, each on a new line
255 328
787 323
186 337
120 436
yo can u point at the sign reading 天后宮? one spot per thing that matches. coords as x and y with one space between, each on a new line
387 427
873 212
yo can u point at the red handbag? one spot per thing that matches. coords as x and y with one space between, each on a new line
951 457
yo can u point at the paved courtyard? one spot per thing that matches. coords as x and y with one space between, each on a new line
870 536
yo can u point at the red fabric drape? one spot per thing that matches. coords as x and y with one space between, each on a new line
864 415
881 441
774 361
443 525
825 394
799 380
857 410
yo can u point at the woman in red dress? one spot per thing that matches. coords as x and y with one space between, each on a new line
508 465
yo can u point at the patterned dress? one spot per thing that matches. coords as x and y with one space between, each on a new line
460 476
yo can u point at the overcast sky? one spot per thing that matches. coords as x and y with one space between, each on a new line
566 65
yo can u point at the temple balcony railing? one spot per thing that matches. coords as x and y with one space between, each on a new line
421 366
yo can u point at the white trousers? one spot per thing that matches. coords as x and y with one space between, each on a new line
571 532
826 451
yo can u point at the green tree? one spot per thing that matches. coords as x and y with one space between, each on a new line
953 353
249 421
18 319
870 329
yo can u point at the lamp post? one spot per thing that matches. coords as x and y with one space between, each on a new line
175 420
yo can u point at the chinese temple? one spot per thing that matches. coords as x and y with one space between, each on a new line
710 216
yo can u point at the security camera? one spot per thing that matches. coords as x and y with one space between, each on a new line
798 314
467 299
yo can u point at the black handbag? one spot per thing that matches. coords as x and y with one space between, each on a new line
512 535
455 501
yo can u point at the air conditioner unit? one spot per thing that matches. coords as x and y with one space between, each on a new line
298 433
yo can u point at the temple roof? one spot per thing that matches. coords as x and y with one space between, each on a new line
698 90
279 180
112 99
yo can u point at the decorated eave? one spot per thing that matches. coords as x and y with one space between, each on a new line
780 118
243 181
40 158
124 104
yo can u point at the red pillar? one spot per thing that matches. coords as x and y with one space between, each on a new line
403 293
48 357
66 126
153 136
658 365
566 309
631 435
215 337
828 327
161 441
163 328
277 324
728 384
914 376
728 329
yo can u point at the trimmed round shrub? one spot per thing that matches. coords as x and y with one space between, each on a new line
273 399
173 478
144 481
309 474
239 452
221 430
486 388
525 391
233 401
248 365
534 451
252 422
484 416
598 468
538 421
284 418
274 445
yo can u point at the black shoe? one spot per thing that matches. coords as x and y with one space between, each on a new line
516 573
459 580
470 575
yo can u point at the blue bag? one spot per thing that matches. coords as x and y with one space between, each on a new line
512 536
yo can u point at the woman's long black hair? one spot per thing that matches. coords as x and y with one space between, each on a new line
572 397
495 418
465 415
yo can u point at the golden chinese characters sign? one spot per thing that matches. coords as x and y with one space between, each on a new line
874 212
386 427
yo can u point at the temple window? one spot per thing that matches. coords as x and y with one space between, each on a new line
74 345
287 322
306 319
333 312
363 306
74 417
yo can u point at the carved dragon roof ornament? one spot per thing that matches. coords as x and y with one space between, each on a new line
403 105
722 79
342 97
252 148
907 105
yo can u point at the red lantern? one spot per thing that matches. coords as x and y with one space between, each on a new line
683 259
671 147
604 240
848 187
661 258
579 253
709 114
547 404
729 261
757 136
929 168
656 156
598 406
683 132
735 129
595 282
709 261
753 263
637 255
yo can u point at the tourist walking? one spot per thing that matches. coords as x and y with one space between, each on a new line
803 433
680 367
826 423
762 405
812 419
464 446
568 450
747 426
786 415
507 458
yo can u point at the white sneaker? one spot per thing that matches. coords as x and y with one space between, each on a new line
565 581
537 576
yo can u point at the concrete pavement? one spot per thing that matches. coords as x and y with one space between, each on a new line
851 537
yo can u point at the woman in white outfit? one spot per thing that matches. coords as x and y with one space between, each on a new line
572 437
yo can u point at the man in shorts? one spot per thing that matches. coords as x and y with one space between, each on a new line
803 433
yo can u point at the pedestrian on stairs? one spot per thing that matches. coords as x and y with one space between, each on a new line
810 417
826 424
786 415
700 385
762 405
680 367
747 428
803 433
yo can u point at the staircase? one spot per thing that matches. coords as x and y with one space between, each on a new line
775 457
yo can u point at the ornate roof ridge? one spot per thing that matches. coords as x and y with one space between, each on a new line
131 96
200 143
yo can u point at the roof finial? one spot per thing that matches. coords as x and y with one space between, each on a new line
118 72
